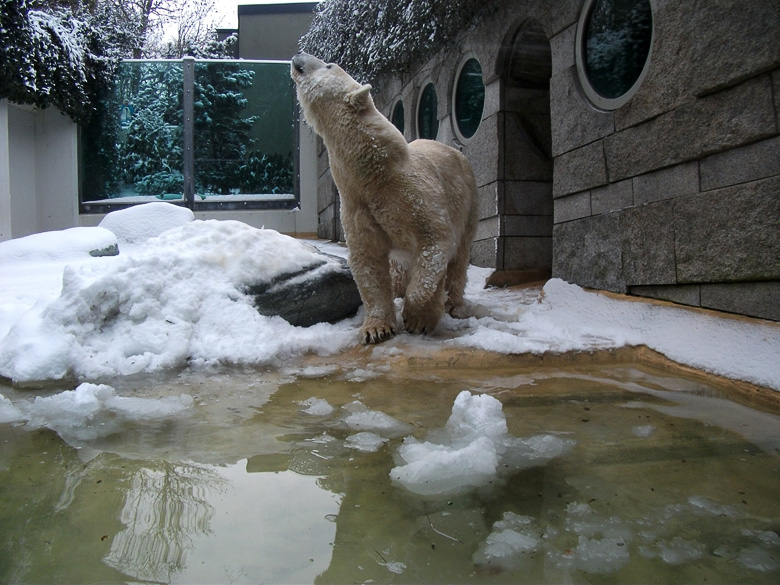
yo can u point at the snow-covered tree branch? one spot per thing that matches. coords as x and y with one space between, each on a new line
61 57
370 38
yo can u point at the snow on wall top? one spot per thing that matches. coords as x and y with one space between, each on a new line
369 38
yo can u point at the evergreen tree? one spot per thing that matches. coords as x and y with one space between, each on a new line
150 145
222 133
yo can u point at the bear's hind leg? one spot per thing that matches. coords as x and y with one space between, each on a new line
425 295
456 285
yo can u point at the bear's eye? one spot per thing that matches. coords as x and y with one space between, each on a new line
328 66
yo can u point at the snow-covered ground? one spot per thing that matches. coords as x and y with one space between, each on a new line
174 297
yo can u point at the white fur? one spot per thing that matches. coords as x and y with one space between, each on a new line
416 201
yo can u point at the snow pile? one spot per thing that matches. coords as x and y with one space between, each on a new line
79 242
92 411
568 318
472 450
137 224
177 299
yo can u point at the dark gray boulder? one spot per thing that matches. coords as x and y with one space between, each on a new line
324 291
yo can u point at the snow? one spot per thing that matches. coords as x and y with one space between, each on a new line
173 297
56 246
317 406
173 300
513 539
135 225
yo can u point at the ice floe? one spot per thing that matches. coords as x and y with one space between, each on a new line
472 450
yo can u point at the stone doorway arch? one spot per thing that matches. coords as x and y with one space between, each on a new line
525 151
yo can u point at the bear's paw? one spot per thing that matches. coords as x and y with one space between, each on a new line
376 331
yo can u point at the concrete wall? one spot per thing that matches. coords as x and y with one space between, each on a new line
675 195
38 171
272 31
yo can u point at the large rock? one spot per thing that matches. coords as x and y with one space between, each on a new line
321 292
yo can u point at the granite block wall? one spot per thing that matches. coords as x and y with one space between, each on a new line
675 195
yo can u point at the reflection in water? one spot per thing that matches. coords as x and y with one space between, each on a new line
166 508
189 523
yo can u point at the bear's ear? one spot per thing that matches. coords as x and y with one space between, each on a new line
359 98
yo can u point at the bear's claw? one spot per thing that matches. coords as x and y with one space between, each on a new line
377 335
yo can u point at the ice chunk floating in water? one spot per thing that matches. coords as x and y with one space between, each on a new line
472 450
360 418
92 411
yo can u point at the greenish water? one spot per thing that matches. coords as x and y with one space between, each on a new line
667 481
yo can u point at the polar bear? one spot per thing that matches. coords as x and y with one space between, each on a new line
409 210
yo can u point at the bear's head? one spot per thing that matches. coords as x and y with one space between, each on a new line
325 90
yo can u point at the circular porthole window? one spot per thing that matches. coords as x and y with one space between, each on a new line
614 40
397 117
427 113
468 99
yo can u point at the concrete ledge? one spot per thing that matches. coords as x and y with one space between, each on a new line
755 299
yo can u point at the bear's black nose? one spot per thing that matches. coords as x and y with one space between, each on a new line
297 62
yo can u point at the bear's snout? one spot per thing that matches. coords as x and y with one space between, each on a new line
298 62
305 64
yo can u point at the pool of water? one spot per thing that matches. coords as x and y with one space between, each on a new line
262 476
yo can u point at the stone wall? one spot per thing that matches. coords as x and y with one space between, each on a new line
675 195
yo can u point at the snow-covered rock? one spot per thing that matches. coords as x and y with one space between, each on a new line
323 291
137 224
69 244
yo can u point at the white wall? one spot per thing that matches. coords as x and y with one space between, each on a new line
5 175
57 163
38 171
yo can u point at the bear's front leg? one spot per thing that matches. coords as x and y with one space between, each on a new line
425 295
369 260
376 329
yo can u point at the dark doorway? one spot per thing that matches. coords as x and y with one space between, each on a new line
525 249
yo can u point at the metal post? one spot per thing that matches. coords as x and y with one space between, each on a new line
188 66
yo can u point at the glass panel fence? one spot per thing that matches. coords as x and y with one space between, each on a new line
244 137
